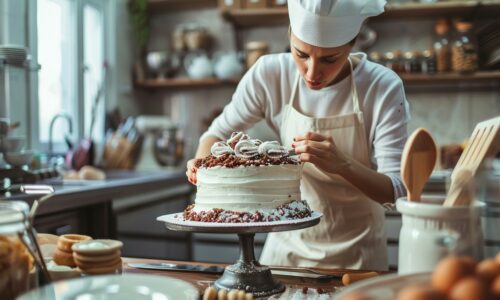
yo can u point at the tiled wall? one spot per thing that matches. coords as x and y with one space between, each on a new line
449 112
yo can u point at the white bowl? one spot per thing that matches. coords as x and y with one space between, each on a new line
18 159
11 144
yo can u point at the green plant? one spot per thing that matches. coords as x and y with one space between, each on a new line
140 22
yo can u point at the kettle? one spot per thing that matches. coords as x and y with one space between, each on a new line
198 66
227 65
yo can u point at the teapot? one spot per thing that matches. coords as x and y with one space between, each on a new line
227 65
198 65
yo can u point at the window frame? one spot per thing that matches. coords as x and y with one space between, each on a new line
77 111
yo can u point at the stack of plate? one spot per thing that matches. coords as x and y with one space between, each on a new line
14 54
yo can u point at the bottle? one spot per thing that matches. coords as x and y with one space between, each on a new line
464 57
441 46
428 63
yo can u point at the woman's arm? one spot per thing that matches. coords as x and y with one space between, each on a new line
322 152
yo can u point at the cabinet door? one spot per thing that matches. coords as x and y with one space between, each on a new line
62 223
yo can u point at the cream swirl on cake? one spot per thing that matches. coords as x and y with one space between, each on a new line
247 180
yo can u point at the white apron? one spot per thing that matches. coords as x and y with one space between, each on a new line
351 233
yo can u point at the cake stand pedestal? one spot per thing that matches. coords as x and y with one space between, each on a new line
246 274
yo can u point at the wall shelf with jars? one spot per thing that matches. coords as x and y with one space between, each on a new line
257 17
185 82
158 6
408 79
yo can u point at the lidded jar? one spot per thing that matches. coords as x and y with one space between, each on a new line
464 57
441 46
254 50
18 272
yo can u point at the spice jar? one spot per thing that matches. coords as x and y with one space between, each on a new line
376 57
254 50
441 46
428 62
464 49
17 268
411 62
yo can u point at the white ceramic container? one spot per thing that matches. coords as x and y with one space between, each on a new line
431 231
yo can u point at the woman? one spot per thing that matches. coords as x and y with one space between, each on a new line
345 116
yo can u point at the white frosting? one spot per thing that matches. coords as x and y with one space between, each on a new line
92 245
247 188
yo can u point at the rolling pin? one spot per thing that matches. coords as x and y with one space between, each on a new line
349 278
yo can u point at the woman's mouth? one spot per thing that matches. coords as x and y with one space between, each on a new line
313 83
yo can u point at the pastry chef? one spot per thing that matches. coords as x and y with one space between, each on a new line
347 119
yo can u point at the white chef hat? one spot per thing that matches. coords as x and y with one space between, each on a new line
330 23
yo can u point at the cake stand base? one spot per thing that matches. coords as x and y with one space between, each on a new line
247 274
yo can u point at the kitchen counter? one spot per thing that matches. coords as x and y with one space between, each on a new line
202 280
72 194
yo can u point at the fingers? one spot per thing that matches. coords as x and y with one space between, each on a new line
313 136
320 149
191 171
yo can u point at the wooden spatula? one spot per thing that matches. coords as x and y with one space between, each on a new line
484 142
417 162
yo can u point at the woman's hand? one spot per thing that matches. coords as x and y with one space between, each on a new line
321 151
191 170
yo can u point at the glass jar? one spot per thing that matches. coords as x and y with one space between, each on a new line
254 50
464 49
428 62
389 61
18 271
441 46
411 62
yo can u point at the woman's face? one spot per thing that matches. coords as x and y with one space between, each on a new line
319 66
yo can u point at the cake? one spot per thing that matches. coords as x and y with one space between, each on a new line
247 180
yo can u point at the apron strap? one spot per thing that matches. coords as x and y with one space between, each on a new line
294 89
355 101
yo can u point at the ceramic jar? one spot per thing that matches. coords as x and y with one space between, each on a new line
431 231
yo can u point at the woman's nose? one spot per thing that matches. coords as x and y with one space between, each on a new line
313 73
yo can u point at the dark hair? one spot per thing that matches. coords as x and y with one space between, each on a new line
351 42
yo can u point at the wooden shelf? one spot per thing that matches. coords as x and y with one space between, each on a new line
408 79
184 82
415 79
279 16
156 6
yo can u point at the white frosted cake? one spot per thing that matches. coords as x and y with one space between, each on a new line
246 180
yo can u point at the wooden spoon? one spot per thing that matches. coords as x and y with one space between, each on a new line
417 162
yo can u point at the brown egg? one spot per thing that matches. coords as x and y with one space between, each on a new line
469 288
450 270
495 287
497 258
487 270
419 292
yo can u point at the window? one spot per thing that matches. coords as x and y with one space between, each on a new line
71 51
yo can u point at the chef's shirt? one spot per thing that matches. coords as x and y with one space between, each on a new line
265 89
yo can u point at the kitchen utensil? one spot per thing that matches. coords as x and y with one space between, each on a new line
460 192
276 270
18 159
483 142
198 65
227 65
350 278
417 162
11 144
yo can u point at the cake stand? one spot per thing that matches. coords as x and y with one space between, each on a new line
246 274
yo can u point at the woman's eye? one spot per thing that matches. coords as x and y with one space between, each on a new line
329 60
301 55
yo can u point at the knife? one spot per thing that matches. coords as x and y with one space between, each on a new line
220 270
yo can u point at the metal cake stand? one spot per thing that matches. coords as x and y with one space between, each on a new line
247 273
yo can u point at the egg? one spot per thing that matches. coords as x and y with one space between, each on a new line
497 258
420 292
355 296
495 287
450 270
487 270
469 288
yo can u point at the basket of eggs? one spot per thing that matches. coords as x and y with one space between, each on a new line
454 278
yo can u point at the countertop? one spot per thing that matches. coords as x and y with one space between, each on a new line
203 280
72 194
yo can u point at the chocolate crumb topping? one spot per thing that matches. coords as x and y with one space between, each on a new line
231 161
